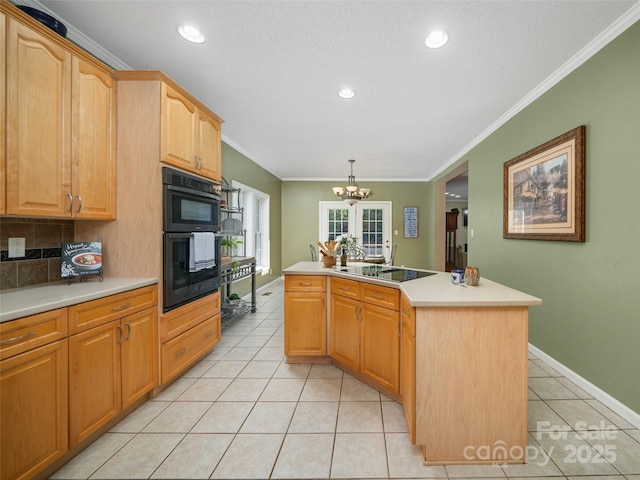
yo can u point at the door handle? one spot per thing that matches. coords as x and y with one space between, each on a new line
119 342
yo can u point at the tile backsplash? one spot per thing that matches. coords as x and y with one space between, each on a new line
43 241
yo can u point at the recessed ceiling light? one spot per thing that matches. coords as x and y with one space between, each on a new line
190 33
436 39
346 93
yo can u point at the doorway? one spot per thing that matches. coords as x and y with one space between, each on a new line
451 192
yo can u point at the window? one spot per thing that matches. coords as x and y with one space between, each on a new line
369 221
256 223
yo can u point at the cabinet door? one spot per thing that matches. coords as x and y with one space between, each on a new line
345 331
305 329
139 355
178 130
209 147
34 413
93 166
380 346
3 111
38 125
94 379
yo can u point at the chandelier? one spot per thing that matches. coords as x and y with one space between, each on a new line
352 194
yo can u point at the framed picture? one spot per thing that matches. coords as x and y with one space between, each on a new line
410 222
544 191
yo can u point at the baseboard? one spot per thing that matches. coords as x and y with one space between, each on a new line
618 407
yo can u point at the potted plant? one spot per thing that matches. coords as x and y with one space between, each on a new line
230 245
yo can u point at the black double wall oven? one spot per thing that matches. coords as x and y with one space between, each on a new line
191 222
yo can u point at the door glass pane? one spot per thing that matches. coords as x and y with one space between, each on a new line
372 224
338 223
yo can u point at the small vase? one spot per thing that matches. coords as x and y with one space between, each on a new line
472 276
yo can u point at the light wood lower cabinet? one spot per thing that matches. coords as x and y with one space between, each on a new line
345 330
305 315
65 373
113 364
408 365
365 333
187 333
34 410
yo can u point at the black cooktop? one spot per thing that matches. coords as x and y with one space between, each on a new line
385 272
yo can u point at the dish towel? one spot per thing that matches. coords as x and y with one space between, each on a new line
202 251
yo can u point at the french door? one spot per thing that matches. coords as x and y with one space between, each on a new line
370 222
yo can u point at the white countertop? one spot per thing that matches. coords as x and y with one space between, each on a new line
20 302
433 291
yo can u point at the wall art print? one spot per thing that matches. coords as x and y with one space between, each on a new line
544 196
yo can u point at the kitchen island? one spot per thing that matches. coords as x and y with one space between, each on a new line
454 356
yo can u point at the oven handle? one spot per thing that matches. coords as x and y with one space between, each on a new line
192 192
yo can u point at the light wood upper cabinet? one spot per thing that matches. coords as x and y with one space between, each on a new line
60 148
38 124
190 137
93 165
178 129
209 146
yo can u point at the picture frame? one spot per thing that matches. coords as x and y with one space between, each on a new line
544 191
410 222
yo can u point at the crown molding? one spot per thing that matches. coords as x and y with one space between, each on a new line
598 43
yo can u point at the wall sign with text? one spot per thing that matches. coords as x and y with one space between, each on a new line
410 222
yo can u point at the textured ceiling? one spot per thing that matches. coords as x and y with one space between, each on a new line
271 70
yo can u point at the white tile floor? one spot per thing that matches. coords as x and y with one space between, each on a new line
242 413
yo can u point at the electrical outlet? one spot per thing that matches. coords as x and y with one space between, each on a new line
16 247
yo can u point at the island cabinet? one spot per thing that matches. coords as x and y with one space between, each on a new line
188 134
60 114
113 357
187 333
305 316
471 386
365 331
34 393
408 364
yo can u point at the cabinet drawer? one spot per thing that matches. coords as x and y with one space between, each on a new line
345 288
408 314
179 353
305 283
18 336
97 312
181 319
381 296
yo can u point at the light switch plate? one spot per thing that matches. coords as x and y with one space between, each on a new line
16 247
